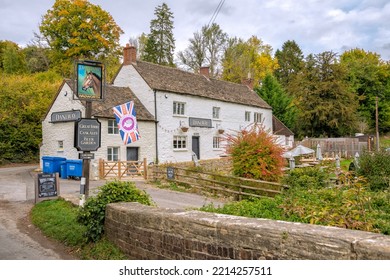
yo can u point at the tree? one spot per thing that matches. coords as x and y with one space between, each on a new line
194 56
252 58
215 40
36 59
282 104
368 77
160 46
77 29
205 48
139 43
326 105
291 62
12 58
24 101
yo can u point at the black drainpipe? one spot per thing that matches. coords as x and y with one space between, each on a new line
156 123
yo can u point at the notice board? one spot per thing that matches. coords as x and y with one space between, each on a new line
46 186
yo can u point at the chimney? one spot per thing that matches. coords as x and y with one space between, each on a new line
129 55
249 82
205 71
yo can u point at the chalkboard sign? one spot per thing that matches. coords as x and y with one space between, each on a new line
47 186
170 173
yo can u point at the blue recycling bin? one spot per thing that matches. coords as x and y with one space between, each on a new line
64 170
74 168
52 164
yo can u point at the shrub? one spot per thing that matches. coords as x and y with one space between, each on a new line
309 177
348 205
92 214
266 208
345 205
375 166
255 154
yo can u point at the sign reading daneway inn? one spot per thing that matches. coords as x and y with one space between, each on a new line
198 122
66 116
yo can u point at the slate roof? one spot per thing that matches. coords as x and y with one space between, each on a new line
163 78
279 128
115 96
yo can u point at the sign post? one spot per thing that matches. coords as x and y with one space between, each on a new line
87 139
90 80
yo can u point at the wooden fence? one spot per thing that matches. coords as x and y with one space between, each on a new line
228 186
343 147
122 169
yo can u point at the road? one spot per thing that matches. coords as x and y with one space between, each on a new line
19 240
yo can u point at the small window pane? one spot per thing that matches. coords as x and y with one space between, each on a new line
113 153
178 108
216 111
179 142
113 127
216 142
247 116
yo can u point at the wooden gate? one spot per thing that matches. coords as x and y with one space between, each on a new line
122 170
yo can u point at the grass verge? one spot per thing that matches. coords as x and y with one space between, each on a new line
58 220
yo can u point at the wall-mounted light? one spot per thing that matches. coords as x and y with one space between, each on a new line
66 93
166 96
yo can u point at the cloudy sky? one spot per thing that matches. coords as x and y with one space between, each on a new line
315 25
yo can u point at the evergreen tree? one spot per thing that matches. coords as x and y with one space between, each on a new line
282 104
327 107
160 46
291 62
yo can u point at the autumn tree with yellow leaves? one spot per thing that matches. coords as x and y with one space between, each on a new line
250 58
77 29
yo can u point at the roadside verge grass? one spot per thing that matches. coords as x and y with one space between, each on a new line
57 219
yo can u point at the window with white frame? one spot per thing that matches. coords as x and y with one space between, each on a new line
179 108
113 127
179 142
217 142
60 146
113 153
247 116
257 117
216 111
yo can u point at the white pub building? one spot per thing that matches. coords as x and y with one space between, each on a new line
179 114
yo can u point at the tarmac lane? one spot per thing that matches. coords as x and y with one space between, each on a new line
20 240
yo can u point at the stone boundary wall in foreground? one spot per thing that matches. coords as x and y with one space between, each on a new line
151 233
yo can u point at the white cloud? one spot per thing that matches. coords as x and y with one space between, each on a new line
315 25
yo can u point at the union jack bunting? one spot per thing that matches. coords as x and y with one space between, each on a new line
127 122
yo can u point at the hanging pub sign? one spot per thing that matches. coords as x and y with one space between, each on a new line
89 80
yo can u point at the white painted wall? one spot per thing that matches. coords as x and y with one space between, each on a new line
64 131
129 77
54 132
286 142
146 144
232 119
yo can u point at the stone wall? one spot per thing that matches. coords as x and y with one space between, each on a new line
144 232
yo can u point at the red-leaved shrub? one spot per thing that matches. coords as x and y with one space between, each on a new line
255 154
